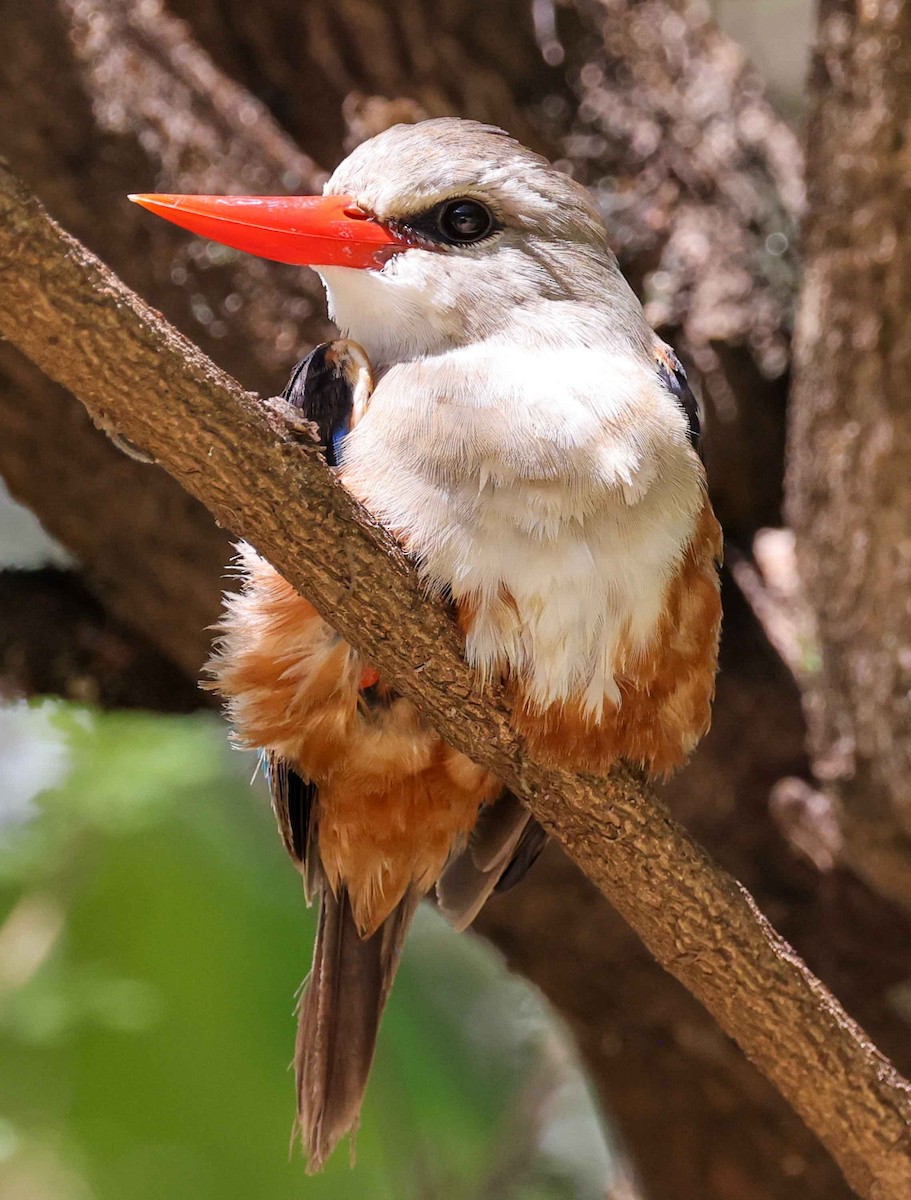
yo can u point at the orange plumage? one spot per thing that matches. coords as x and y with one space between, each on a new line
394 799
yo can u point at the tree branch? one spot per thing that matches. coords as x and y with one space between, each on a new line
267 481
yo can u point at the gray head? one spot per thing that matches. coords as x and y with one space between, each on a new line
496 233
442 234
407 170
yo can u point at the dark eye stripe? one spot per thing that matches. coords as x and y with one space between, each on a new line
460 221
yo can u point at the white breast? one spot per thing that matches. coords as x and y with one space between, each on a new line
562 479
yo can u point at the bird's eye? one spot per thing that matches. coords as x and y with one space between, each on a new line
462 222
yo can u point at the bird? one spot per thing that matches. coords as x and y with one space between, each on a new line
499 402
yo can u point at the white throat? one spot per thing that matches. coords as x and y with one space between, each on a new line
396 316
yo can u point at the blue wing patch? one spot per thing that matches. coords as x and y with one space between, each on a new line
324 393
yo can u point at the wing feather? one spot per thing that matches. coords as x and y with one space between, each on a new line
673 376
504 843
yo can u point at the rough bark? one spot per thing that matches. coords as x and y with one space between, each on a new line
850 440
146 549
99 100
213 437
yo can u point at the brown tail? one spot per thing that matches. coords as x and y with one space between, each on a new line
338 1019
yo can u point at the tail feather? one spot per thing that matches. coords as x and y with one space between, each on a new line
338 1018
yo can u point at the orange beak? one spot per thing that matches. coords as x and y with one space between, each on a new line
307 231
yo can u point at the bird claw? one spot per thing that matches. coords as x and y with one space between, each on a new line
126 447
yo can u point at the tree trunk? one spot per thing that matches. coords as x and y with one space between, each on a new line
849 479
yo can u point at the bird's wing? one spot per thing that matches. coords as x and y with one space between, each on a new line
504 843
331 387
528 850
294 802
673 376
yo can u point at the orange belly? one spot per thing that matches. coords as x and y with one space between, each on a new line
394 799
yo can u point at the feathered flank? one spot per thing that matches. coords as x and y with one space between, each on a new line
666 687
338 1019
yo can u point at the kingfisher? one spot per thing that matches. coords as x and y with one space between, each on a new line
498 401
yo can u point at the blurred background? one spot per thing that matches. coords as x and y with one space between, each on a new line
152 933
153 939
